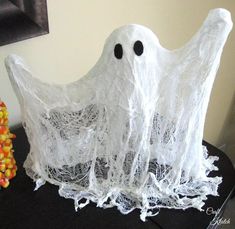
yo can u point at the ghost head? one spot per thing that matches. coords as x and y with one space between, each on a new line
129 133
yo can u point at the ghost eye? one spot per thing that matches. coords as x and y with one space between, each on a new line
118 51
138 48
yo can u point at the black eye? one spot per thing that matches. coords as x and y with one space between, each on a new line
138 48
118 51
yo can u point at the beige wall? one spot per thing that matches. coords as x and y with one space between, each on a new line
78 29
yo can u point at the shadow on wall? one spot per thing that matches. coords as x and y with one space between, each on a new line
227 137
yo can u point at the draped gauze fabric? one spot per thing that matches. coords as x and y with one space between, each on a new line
129 133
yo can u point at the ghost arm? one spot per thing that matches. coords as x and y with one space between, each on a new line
186 87
202 53
53 104
29 88
189 82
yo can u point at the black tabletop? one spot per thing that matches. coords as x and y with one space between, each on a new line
21 207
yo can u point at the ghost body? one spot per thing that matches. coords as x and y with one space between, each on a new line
129 133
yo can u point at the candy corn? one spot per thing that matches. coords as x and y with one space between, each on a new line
7 162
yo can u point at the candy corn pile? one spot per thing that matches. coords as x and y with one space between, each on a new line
7 162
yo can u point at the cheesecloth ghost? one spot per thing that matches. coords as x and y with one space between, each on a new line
129 133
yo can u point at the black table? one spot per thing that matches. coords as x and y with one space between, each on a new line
23 208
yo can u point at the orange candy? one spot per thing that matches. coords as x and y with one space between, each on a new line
7 162
3 130
2 167
4 183
7 173
6 149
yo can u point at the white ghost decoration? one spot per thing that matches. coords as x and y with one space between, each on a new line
129 133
